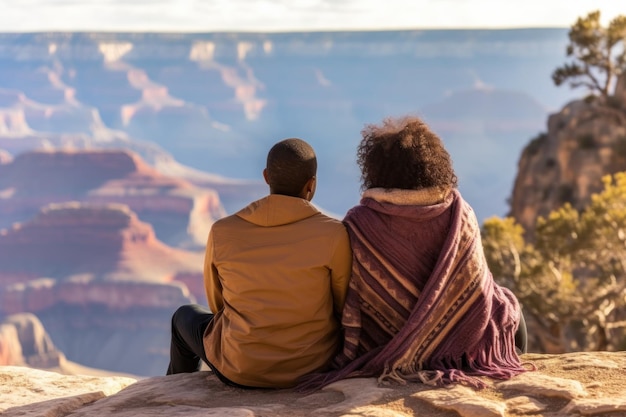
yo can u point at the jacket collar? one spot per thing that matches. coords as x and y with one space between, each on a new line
277 210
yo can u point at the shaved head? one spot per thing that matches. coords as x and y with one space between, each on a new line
290 164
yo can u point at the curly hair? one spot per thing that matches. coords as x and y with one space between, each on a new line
403 153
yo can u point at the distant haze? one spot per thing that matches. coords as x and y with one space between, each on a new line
301 15
217 102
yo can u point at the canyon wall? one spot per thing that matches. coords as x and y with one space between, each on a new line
584 141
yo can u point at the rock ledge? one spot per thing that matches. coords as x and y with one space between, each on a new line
575 384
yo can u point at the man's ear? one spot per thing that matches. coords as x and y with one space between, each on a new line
309 188
265 177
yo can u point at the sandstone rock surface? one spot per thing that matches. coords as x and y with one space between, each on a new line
575 384
32 392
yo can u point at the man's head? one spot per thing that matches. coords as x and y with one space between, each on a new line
291 168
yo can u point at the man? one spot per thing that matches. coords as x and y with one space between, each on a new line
276 275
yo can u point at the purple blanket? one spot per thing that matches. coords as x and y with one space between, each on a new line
422 304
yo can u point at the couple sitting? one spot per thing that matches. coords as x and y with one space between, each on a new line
403 294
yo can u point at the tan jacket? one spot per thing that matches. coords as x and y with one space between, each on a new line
276 275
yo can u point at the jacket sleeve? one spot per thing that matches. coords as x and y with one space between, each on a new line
340 269
212 284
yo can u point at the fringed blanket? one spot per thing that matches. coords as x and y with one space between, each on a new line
422 304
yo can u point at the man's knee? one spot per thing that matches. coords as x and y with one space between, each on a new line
182 314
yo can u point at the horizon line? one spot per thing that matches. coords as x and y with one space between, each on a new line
285 31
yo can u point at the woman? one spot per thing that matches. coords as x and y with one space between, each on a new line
422 304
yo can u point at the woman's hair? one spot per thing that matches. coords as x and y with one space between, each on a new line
403 153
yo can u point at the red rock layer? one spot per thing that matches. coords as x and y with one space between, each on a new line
116 296
171 205
106 241
65 173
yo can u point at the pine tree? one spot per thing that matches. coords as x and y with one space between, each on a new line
598 54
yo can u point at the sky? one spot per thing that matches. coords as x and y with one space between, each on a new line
293 15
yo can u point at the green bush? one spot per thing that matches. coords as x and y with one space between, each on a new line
569 276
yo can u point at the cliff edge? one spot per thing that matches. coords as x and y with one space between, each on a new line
574 384
585 141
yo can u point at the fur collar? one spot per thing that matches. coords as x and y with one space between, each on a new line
423 197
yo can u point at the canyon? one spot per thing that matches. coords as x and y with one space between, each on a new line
118 152
216 102
94 272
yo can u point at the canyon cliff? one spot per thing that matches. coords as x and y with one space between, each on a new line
62 123
180 212
100 281
584 141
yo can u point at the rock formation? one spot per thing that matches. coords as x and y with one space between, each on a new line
109 285
585 141
44 294
180 212
589 384
107 242
24 341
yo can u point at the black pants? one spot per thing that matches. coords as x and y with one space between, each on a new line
187 347
521 336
